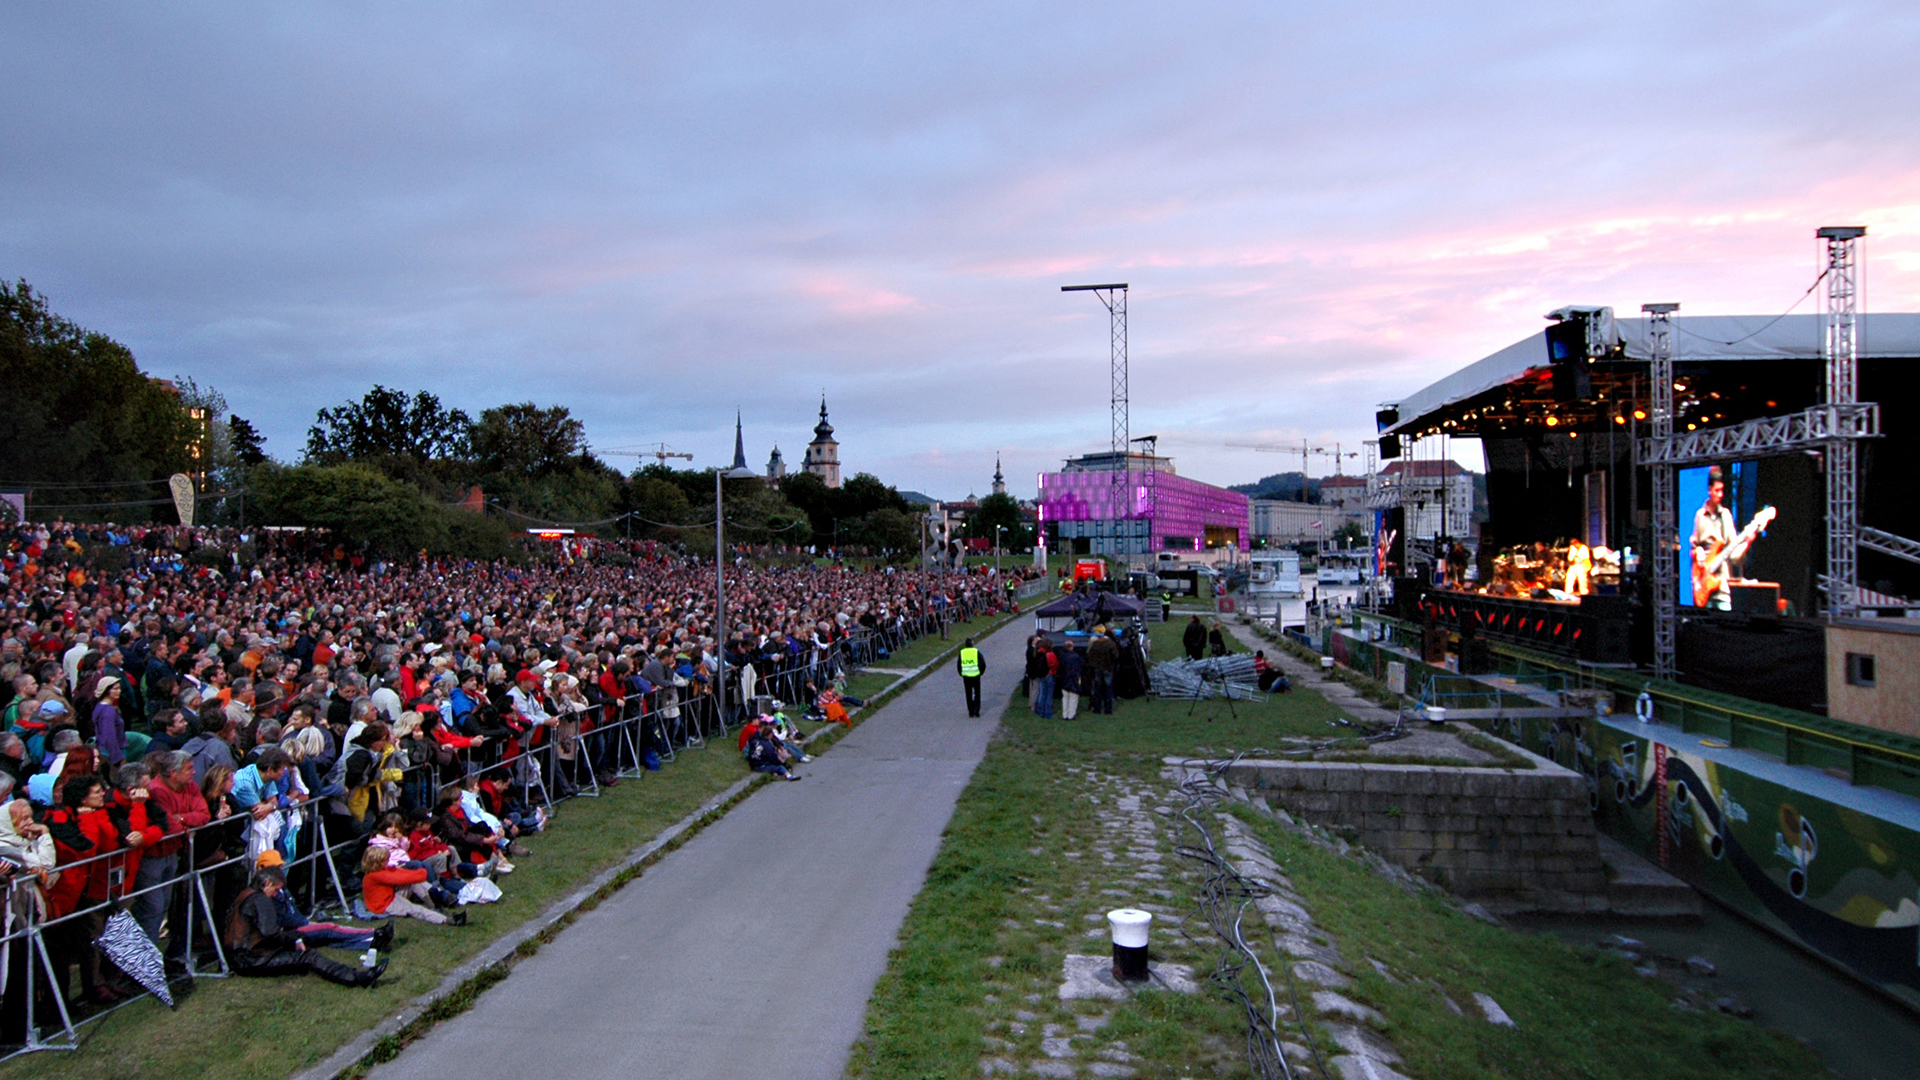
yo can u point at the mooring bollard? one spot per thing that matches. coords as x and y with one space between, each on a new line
1129 943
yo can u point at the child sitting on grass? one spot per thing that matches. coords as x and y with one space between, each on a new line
390 891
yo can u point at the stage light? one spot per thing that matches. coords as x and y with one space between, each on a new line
1773 404
1679 388
1619 419
1553 421
1639 414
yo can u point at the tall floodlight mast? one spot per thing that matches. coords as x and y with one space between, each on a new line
1115 298
1841 346
1664 545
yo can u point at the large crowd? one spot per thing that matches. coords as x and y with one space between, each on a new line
260 716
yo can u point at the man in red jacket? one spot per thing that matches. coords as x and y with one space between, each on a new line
174 807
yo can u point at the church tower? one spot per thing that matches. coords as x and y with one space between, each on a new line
999 482
823 454
739 445
776 468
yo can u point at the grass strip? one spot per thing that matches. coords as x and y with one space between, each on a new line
983 945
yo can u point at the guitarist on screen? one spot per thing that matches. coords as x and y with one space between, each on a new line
1718 547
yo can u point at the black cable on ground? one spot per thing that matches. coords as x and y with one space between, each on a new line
1224 898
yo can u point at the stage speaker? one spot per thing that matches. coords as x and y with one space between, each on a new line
1606 624
1389 447
1385 419
1407 594
1568 353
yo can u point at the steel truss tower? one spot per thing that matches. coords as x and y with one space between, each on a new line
1115 298
1663 546
1842 350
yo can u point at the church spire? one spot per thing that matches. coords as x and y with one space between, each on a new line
739 444
999 481
822 431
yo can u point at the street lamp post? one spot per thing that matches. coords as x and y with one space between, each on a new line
997 530
720 590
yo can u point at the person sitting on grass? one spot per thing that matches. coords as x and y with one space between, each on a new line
831 705
424 846
472 841
776 726
766 755
259 944
390 892
323 933
485 803
1266 676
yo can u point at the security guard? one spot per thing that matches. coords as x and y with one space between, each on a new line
972 665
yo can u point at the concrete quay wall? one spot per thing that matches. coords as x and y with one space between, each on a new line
1513 840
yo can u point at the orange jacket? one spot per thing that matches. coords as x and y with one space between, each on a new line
377 888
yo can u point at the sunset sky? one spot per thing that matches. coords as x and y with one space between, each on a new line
659 214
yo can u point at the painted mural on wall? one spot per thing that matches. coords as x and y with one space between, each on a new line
1840 882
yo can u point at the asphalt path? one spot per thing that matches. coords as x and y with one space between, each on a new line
751 951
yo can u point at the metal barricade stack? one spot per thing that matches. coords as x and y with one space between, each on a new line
1216 676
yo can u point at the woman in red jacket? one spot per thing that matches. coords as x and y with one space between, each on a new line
82 831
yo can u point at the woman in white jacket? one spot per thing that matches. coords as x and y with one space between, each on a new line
27 860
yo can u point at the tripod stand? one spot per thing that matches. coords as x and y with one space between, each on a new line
1207 681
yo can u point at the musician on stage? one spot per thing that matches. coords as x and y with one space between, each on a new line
1713 530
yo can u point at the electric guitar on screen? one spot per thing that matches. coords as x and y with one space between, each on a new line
1710 562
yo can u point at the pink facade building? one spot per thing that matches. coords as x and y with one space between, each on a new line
1084 511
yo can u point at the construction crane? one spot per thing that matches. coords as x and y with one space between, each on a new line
659 452
1304 450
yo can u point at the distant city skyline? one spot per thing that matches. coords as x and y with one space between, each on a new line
656 215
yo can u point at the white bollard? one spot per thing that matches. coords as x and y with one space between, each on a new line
1129 927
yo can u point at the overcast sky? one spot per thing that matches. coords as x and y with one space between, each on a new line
656 214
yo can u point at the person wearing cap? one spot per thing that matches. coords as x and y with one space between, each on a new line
109 727
525 696
321 933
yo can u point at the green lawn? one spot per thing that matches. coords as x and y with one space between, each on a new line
1014 889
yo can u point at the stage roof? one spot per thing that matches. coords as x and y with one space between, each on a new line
1696 338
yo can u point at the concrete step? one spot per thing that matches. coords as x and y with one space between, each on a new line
1639 888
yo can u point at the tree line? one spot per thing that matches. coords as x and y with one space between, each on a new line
94 439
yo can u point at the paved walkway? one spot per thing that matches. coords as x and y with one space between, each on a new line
750 952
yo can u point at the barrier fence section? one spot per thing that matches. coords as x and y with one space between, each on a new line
541 767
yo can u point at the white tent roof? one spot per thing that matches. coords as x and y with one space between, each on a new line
1696 337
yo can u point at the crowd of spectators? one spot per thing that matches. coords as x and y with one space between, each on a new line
215 700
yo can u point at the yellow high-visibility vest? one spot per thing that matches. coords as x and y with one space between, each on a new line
970 662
